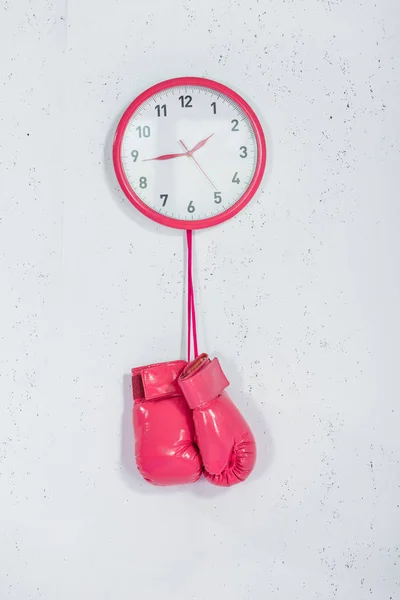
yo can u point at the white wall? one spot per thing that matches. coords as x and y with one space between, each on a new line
299 297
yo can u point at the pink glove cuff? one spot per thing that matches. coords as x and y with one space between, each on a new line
155 381
204 384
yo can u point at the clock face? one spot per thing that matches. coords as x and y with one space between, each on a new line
189 152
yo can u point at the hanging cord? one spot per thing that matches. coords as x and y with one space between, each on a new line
191 318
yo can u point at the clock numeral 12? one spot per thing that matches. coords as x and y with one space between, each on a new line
161 110
186 101
164 198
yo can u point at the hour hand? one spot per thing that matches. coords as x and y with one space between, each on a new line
200 144
166 156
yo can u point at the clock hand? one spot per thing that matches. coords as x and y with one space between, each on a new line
189 154
200 145
166 156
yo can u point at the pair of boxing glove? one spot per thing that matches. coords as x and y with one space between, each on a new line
185 424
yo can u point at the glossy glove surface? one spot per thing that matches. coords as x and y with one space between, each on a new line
163 425
226 444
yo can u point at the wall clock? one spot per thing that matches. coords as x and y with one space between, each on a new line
189 153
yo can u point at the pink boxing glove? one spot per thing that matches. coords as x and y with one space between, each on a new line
163 426
226 444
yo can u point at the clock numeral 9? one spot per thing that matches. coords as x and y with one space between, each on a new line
135 155
191 207
217 197
143 182
143 131
235 178
186 101
243 153
161 110
164 198
235 124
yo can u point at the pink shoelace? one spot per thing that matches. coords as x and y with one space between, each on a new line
192 328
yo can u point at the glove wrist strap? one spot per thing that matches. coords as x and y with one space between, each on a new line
157 381
204 385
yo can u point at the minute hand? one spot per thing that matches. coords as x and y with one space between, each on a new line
166 156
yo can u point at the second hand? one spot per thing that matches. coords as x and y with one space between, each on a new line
191 156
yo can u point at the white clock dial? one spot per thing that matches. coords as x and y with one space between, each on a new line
189 152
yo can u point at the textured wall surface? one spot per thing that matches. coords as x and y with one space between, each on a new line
299 297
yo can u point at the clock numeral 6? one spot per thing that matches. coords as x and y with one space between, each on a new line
186 101
191 207
143 131
161 110
164 198
143 182
135 155
235 178
235 124
217 197
243 153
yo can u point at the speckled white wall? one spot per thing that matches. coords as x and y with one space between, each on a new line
299 297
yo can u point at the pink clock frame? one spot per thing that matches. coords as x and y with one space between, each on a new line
200 223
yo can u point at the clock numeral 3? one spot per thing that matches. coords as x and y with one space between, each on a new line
243 153
161 110
235 178
235 124
186 101
191 207
164 198
143 182
217 197
135 155
143 131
